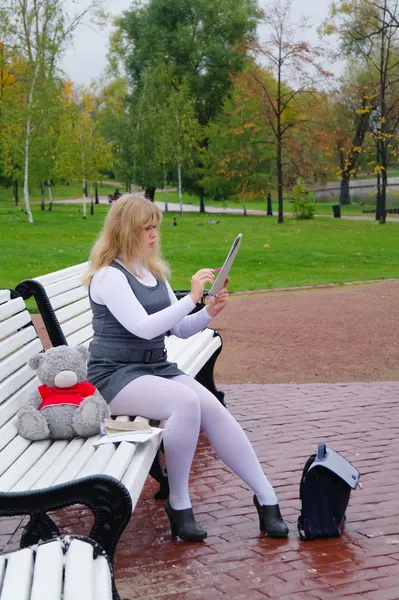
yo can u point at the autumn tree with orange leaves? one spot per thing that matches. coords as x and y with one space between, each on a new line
295 67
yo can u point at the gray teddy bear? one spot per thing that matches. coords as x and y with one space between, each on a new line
66 405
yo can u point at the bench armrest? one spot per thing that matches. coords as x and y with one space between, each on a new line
107 498
30 287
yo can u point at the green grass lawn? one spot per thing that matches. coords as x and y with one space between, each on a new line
60 192
322 208
271 255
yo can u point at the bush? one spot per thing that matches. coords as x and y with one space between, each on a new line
302 204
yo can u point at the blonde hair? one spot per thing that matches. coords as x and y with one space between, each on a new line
121 237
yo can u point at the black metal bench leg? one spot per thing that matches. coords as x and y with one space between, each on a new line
158 472
206 376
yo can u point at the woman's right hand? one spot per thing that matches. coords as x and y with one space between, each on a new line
198 282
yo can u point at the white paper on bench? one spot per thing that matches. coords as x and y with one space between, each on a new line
128 437
49 566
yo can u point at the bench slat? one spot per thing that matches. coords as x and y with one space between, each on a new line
78 462
77 323
10 407
23 464
99 460
18 576
68 297
2 570
62 274
29 479
5 296
15 341
8 432
10 385
79 572
198 362
72 310
64 285
10 308
49 567
19 358
14 323
101 579
12 452
138 469
83 335
59 464
193 349
120 460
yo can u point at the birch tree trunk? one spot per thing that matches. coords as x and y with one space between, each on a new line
28 131
50 195
179 184
91 198
165 189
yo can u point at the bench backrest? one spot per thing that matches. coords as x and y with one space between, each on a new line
18 343
70 302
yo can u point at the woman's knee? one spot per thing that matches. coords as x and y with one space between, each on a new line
190 403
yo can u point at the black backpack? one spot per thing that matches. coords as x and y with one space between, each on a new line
326 484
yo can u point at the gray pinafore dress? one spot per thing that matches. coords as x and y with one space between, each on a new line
117 357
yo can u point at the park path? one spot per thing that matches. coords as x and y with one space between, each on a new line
173 207
346 336
284 424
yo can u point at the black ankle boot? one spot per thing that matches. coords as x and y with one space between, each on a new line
183 525
270 520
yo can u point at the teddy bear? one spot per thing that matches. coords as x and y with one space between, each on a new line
65 405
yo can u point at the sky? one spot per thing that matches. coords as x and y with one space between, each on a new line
86 59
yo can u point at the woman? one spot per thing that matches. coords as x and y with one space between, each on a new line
133 307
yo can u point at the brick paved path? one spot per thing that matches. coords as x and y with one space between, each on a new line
285 423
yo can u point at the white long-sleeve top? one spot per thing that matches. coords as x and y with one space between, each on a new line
110 287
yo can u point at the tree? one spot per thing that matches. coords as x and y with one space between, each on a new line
347 123
116 124
82 152
202 41
290 62
241 156
369 31
38 33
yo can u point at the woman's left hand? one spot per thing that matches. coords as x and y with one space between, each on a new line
218 303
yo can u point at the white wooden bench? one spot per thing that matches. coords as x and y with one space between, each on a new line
56 467
65 567
64 305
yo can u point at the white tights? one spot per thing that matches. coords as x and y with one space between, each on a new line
187 406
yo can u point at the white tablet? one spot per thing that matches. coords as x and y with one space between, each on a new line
218 284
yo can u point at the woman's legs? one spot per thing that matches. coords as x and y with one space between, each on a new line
230 442
167 399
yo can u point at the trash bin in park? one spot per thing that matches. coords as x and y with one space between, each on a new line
337 210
